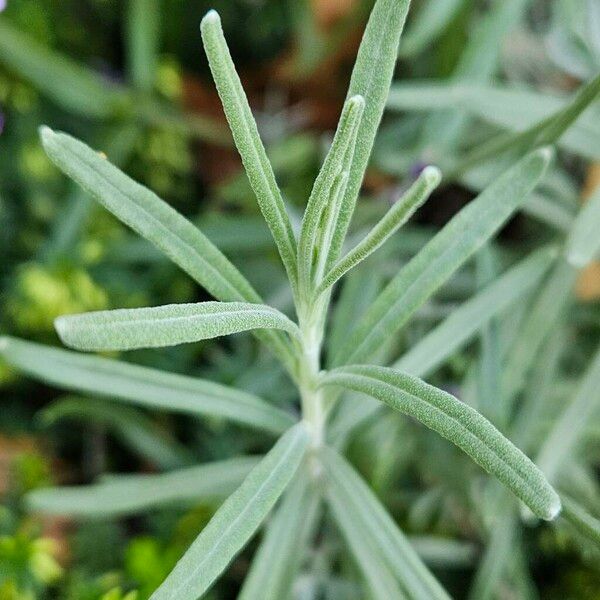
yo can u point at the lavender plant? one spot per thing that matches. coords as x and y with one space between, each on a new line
305 470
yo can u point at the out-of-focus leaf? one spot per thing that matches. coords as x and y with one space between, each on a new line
121 495
280 553
364 520
141 385
127 423
69 84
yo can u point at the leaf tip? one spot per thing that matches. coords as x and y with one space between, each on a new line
210 18
546 153
554 508
432 176
46 134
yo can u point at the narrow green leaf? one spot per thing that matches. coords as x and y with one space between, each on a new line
380 580
159 326
546 131
356 508
583 242
143 32
128 424
279 556
371 79
400 212
457 422
237 520
546 310
141 386
581 519
427 25
149 216
122 495
464 322
445 253
567 431
247 140
340 153
498 551
69 84
496 104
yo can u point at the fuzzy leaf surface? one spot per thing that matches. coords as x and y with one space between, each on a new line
457 422
236 520
248 142
169 325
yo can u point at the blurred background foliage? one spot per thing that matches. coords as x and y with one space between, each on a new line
130 78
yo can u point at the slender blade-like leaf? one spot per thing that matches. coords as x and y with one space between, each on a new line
581 519
130 425
142 386
371 79
402 210
567 431
457 422
340 153
464 322
356 506
583 243
143 33
247 140
278 558
149 216
237 520
159 326
449 249
69 84
121 495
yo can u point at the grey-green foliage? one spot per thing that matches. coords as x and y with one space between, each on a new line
302 460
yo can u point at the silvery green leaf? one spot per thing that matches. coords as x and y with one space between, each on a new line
121 495
247 140
169 325
142 386
285 542
128 424
544 314
581 519
149 216
143 33
457 422
396 216
337 160
566 433
478 62
496 104
427 25
498 551
442 256
364 519
236 520
583 242
464 322
371 78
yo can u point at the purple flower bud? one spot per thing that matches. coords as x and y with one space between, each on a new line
2 5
